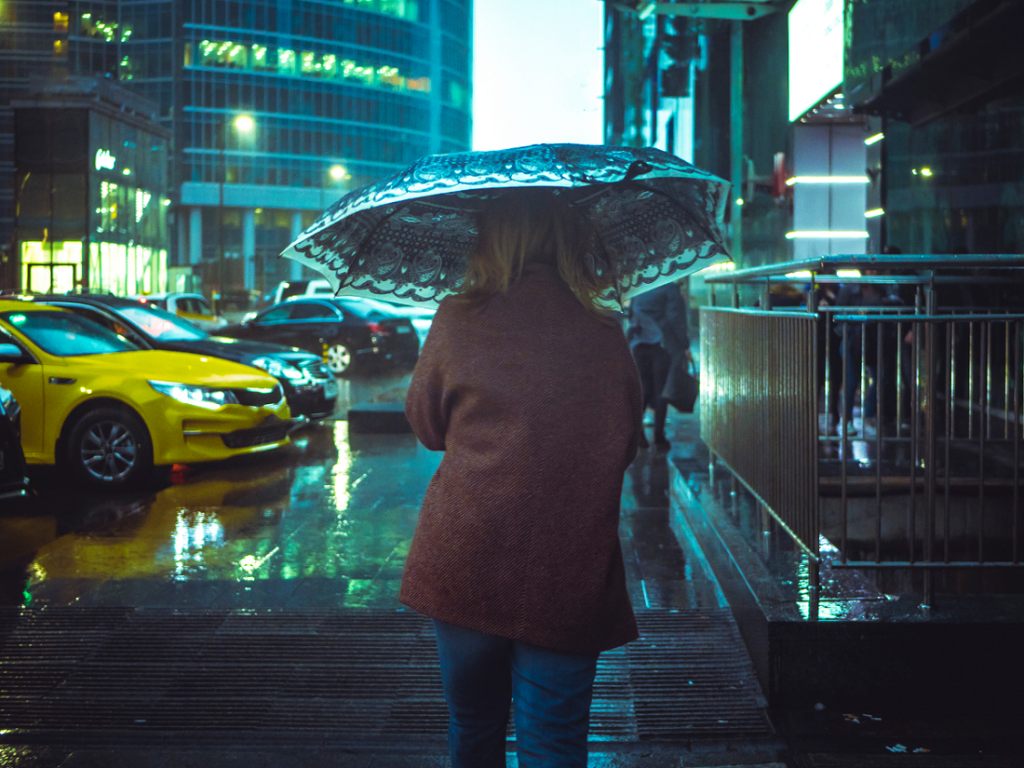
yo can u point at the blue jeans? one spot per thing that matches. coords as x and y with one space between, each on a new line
552 690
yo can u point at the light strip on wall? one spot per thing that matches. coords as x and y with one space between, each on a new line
874 139
827 180
826 235
874 213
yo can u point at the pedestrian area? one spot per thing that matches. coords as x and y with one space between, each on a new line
248 615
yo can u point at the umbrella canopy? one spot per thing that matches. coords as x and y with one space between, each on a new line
656 219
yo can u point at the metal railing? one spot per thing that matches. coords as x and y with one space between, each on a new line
930 480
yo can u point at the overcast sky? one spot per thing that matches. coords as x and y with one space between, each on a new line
537 72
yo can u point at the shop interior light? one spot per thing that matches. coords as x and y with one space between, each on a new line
874 139
802 275
847 273
874 213
827 235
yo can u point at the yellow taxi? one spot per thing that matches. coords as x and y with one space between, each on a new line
111 410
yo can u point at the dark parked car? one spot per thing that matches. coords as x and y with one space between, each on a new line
309 387
347 332
13 482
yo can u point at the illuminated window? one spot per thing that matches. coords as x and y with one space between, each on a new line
60 48
238 57
286 62
60 22
421 84
260 58
330 66
310 66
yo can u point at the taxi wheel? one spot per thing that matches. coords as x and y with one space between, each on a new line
339 359
109 447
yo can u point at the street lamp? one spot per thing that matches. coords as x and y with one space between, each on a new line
245 126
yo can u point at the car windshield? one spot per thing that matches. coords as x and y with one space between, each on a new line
66 335
161 324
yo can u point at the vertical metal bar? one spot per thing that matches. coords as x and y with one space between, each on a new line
971 381
863 374
815 491
929 470
950 416
915 429
987 410
879 421
1006 380
1016 439
828 366
984 331
899 377
844 444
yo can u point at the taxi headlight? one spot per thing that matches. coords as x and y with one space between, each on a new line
277 368
204 397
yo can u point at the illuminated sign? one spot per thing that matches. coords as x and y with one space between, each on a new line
104 160
815 52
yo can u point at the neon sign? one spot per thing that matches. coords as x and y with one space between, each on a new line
105 160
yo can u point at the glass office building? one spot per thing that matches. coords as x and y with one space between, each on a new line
275 108
278 107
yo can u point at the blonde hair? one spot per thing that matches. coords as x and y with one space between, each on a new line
532 225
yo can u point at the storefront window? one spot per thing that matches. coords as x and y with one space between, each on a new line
48 267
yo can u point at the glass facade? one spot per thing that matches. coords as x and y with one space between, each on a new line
336 93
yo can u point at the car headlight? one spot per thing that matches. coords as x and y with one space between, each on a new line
277 368
204 397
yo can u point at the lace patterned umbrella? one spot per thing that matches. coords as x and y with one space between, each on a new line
406 238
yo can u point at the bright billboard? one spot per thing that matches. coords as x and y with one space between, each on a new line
815 52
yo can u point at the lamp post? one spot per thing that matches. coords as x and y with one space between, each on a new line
338 175
244 126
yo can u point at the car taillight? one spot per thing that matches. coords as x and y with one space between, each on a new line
379 329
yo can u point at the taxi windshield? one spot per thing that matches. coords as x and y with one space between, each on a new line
161 324
66 335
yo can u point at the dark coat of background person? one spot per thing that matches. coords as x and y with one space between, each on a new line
537 405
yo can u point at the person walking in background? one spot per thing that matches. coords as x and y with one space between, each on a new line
658 336
531 392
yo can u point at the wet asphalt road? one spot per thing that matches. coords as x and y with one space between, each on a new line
324 523
328 510
316 533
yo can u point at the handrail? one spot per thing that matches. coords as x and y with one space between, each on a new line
870 261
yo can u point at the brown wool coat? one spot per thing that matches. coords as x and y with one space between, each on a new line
537 406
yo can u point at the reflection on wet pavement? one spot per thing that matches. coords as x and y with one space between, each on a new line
324 523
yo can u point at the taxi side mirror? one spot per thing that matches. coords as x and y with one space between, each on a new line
12 353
